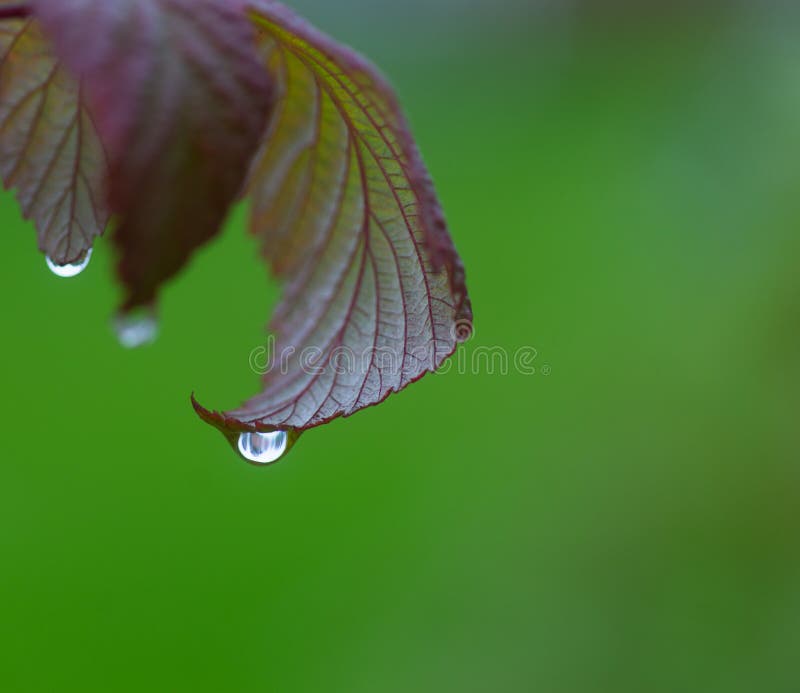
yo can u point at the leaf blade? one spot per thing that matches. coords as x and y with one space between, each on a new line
348 218
49 148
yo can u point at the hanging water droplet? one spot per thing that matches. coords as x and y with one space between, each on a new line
137 328
263 448
463 330
73 268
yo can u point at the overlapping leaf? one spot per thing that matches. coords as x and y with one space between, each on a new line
346 214
180 101
49 148
179 92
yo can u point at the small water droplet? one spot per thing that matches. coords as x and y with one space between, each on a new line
136 329
463 331
263 448
72 269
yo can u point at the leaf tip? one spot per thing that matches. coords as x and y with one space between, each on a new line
232 428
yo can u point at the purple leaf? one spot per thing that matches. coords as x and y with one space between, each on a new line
347 216
180 100
49 149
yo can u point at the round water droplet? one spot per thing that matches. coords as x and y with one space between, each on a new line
136 329
73 268
463 331
263 448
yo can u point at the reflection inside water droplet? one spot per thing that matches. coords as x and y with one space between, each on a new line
136 329
73 268
263 448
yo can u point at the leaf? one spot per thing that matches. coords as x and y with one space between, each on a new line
180 100
49 149
347 216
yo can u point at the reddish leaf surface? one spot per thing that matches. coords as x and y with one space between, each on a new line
180 100
49 149
347 216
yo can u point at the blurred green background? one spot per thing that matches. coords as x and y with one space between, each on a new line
622 182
